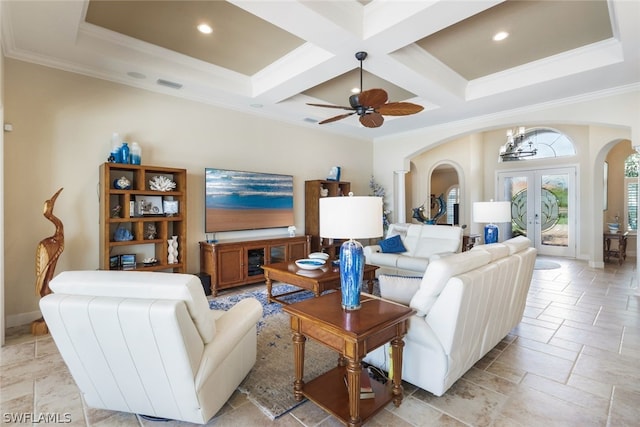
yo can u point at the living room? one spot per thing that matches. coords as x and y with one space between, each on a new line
62 123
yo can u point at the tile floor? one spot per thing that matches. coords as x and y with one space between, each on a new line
573 361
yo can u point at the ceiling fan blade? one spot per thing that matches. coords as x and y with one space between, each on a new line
330 106
336 118
399 109
371 120
373 98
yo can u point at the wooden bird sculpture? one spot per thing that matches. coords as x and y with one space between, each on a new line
47 254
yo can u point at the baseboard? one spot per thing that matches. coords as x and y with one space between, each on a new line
22 318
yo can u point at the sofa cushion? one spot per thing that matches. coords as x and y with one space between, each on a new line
412 238
497 250
412 263
392 245
398 288
384 260
438 274
142 284
517 244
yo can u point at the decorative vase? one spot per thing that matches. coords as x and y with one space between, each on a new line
351 273
172 248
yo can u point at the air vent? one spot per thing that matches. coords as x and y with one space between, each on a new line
168 83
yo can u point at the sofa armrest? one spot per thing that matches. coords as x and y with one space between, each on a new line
439 255
398 288
368 250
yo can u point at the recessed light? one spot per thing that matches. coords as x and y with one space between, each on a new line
501 35
205 28
355 90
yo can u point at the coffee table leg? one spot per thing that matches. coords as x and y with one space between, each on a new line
397 345
298 360
267 280
354 370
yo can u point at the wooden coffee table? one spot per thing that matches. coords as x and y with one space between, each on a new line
352 334
318 281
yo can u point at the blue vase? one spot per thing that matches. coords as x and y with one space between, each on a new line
351 273
124 152
490 234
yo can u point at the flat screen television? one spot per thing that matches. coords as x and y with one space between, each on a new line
241 200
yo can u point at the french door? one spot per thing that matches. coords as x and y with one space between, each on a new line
542 208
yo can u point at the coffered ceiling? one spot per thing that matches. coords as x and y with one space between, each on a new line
270 58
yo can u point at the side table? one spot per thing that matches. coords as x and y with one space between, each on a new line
352 334
620 252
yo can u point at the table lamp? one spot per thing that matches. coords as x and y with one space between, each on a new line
351 217
490 213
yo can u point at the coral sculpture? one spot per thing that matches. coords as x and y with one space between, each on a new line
161 183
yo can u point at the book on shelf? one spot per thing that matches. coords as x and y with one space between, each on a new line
366 391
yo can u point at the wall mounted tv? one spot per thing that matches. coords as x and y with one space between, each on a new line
239 200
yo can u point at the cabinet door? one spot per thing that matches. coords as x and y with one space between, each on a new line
297 250
231 266
255 261
277 253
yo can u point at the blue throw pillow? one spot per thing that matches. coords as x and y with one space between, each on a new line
392 245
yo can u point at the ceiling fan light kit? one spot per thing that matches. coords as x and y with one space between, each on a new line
371 105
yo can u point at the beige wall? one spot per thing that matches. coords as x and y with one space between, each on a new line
62 127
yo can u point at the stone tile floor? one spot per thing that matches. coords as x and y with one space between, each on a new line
574 360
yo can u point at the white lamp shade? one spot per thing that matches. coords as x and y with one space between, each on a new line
351 217
492 212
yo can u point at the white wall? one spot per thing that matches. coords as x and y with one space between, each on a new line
62 127
595 123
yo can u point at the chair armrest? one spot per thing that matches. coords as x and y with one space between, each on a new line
368 250
231 328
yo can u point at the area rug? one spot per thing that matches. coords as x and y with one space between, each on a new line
545 265
270 383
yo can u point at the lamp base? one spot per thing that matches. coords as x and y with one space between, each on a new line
490 233
351 273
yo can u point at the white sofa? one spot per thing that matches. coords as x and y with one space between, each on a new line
466 304
147 342
423 244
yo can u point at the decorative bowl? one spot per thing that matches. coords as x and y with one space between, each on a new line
310 263
319 255
149 261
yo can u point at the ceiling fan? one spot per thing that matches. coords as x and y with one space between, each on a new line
371 105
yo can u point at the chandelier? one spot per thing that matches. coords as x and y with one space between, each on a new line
517 146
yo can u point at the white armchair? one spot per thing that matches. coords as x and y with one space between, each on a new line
147 342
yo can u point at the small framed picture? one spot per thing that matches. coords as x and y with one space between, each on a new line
128 261
149 205
114 262
334 174
170 207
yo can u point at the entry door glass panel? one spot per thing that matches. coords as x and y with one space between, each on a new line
542 208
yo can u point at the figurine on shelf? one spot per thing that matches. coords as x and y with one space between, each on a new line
150 231
115 211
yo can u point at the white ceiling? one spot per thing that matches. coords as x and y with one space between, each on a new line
270 58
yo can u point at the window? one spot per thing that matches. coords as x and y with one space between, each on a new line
453 198
631 192
536 143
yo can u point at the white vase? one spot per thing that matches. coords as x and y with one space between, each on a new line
172 249
174 240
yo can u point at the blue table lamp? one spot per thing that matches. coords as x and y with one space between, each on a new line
491 213
351 217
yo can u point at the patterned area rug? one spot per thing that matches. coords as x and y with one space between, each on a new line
270 383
